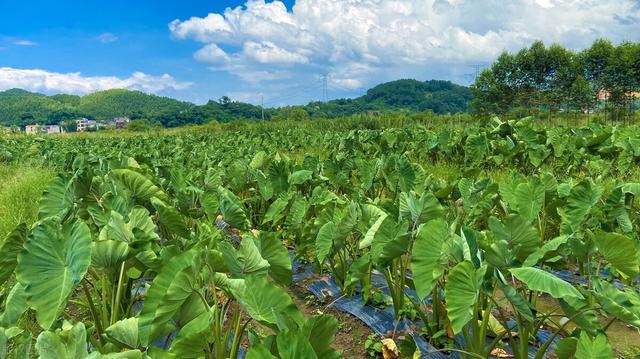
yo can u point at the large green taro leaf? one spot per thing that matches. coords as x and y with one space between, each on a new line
461 292
140 186
324 240
9 250
169 290
69 343
619 250
264 300
54 260
57 199
539 280
231 208
293 345
426 260
598 348
518 232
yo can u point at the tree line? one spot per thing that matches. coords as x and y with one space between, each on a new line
21 108
604 77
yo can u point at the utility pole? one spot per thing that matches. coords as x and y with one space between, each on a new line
477 67
262 105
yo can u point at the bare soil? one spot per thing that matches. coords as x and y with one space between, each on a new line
352 333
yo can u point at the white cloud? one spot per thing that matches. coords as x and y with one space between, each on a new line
201 29
41 80
257 76
107 38
25 43
268 53
394 38
211 54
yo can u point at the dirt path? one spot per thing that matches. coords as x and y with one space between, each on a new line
352 333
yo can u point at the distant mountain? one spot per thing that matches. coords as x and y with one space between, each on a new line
439 96
17 93
108 104
20 107
411 95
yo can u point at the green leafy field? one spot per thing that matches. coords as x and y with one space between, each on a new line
176 244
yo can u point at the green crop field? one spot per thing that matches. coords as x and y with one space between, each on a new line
188 243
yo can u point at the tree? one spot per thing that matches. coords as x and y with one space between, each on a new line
293 113
529 68
495 89
69 125
595 61
582 98
561 73
621 77
538 78
486 95
143 125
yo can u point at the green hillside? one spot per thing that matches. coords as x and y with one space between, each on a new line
20 107
108 104
412 95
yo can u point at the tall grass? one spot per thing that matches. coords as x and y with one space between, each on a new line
20 189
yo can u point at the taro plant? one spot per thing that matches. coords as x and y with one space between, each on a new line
112 255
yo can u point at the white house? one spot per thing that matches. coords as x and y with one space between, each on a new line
32 129
43 130
120 122
53 130
84 124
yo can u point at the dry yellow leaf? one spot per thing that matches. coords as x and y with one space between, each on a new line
389 349
500 353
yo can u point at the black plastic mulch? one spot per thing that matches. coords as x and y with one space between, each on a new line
382 321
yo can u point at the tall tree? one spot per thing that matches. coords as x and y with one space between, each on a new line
561 72
581 98
595 61
621 77
555 78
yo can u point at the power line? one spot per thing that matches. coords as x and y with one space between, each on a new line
295 92
306 96
471 77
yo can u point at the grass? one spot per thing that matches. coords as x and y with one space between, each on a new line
20 189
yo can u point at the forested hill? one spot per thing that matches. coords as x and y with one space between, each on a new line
19 107
412 95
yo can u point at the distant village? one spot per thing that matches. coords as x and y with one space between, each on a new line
81 125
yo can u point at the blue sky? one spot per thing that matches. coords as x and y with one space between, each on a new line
67 38
198 50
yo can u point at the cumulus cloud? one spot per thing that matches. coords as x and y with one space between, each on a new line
75 83
360 42
268 53
212 54
107 38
